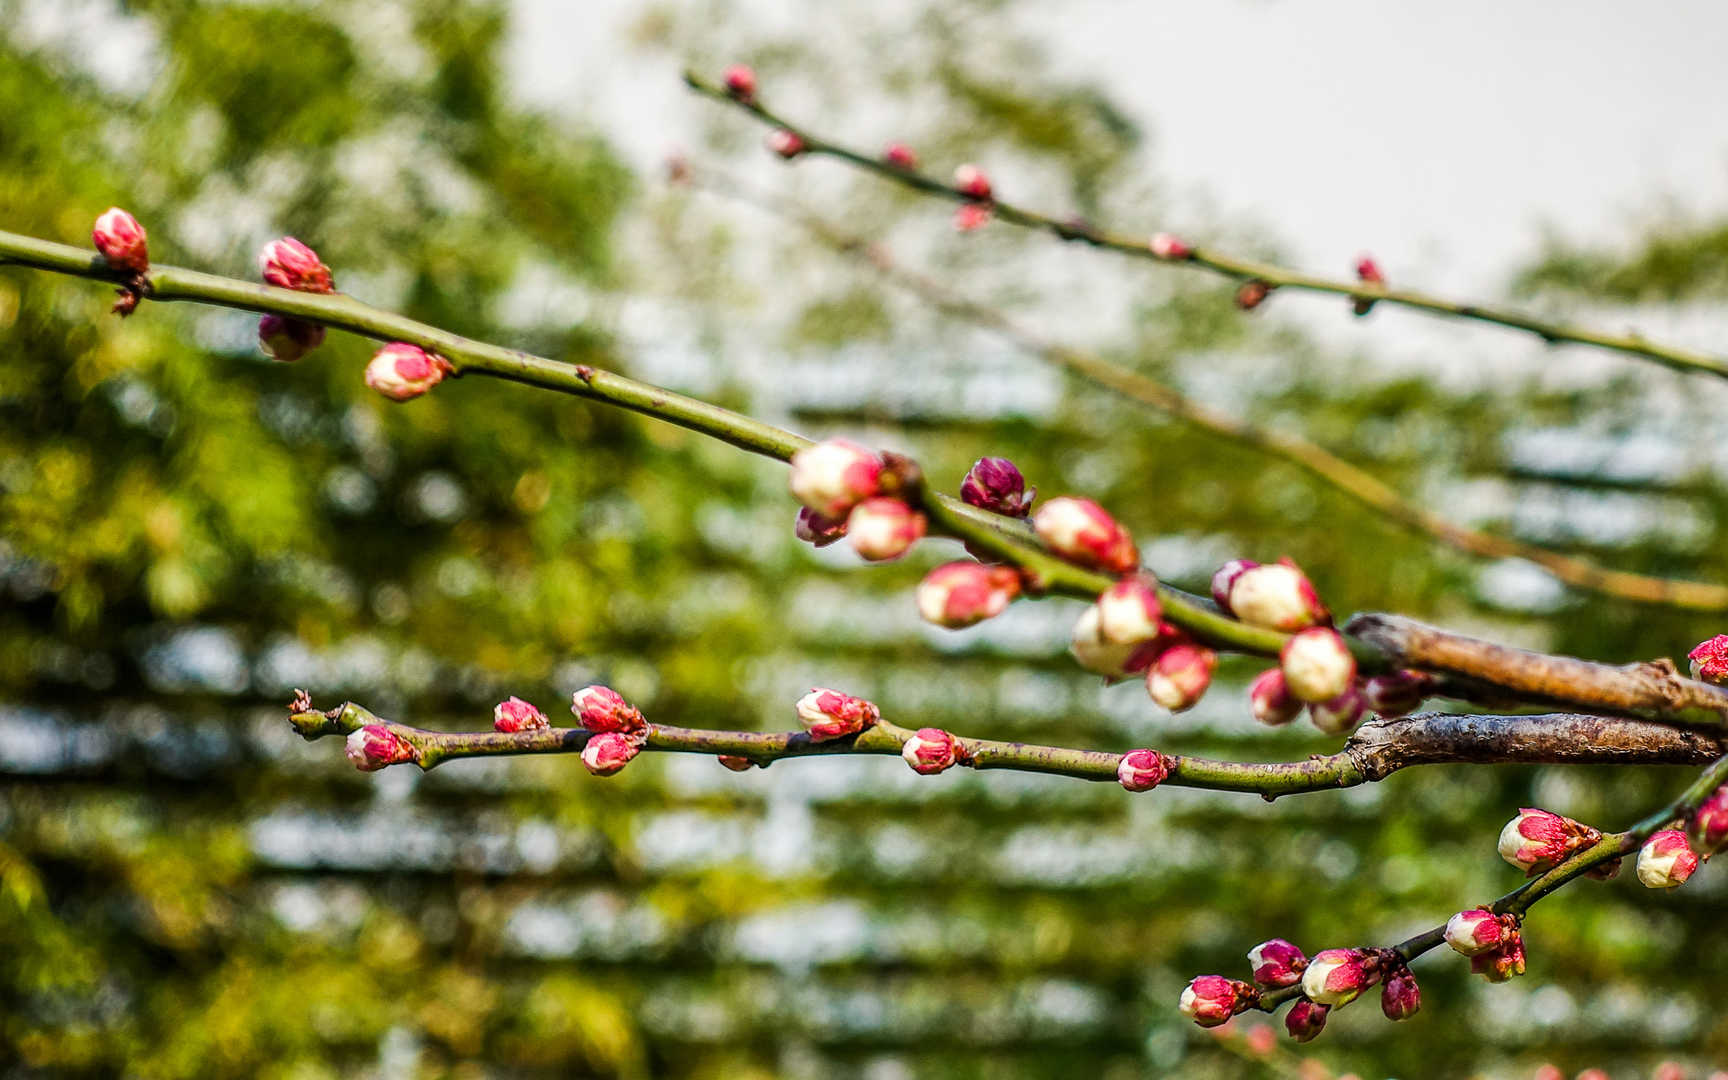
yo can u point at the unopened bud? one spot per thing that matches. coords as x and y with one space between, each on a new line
1179 677
900 156
1710 660
1340 715
1306 1020
514 714
883 528
816 530
1129 611
1401 998
995 484
1367 272
608 752
1211 1000
830 714
1226 576
1503 963
289 264
972 217
121 240
930 750
1277 596
1142 770
1167 246
402 372
1277 963
1336 976
1709 827
971 182
735 763
834 476
1666 860
959 594
1271 700
1396 693
1111 659
603 709
787 144
1475 932
741 82
1536 840
1251 294
1081 531
288 339
1318 665
375 746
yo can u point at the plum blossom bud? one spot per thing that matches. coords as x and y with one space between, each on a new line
1666 860
959 594
1142 770
1277 596
1338 716
289 264
1110 659
1475 932
1179 677
1306 1020
930 750
402 372
1226 576
374 746
971 182
829 714
1501 964
1168 246
787 144
514 714
608 752
834 476
1270 700
1709 828
900 156
816 530
287 339
1710 660
1317 664
1368 273
602 709
734 762
995 484
883 528
1336 976
1129 611
121 240
1536 840
1211 1000
1251 294
1402 998
1277 963
1081 531
971 217
741 82
1396 693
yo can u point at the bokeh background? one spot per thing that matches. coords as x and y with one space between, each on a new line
189 531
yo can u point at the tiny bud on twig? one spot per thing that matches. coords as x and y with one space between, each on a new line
1536 841
971 182
1277 596
884 528
735 763
834 476
402 372
971 217
830 714
375 746
603 709
1337 976
1666 860
1111 659
1129 611
900 156
608 752
1167 246
960 594
1306 1020
286 339
1401 998
1277 963
1270 699
1251 294
1367 272
1211 1000
930 750
787 144
1475 932
741 82
514 714
1081 531
1318 665
1179 677
816 530
289 264
995 484
121 240
1142 770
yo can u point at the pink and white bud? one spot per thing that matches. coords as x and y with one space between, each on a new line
830 714
1271 700
972 217
1501 964
1368 270
1401 998
741 82
884 528
1710 660
1536 840
1709 828
971 182
816 530
1277 596
930 750
1340 715
1306 1020
287 340
1111 659
834 476
1129 611
787 144
1317 664
735 763
1211 1000
1277 963
289 264
121 240
1475 932
1169 246
1142 770
402 372
1251 294
1081 531
1178 679
375 746
1226 576
603 709
607 752
995 484
960 594
1396 693
1666 860
513 714
1337 976
900 156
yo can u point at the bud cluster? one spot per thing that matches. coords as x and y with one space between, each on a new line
1332 977
971 182
1124 633
846 491
617 730
289 264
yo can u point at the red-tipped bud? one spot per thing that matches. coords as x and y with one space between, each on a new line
995 484
121 240
1251 294
1317 664
834 476
829 714
1501 964
289 264
1168 246
1709 827
1402 998
1211 1000
883 528
1475 932
1306 1020
930 750
374 746
603 709
1536 840
1666 860
735 763
286 339
1142 770
1710 660
971 217
959 594
741 82
900 156
1271 700
1340 715
1110 659
971 182
787 144
1129 611
1277 963
402 372
1080 531
1226 577
1368 270
816 530
1395 694
1277 596
1337 976
1179 677
608 752
514 714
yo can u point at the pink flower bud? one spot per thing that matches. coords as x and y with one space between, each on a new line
816 530
972 217
1340 715
374 746
1277 963
1167 246
607 752
1277 596
402 372
1368 270
289 264
787 144
514 714
286 339
1337 976
120 239
930 750
1306 1020
834 476
1142 770
603 709
883 528
1226 577
829 714
1475 932
1710 660
1110 659
1536 840
1080 531
1402 998
1709 828
741 82
1503 963
1179 677
995 484
900 156
735 763
959 594
971 182
1270 700
1211 1000
1251 294
1666 860
1317 664
1129 611
1396 693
